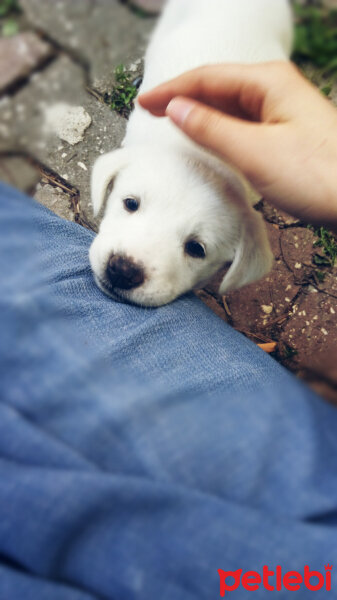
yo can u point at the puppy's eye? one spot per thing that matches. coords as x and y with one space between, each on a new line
195 249
131 204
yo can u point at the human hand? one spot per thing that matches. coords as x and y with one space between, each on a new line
269 122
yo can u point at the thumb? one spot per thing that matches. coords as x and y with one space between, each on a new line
244 144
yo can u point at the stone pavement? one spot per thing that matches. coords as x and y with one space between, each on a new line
64 55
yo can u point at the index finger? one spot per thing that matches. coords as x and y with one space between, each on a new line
238 90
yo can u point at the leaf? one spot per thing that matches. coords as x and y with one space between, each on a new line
123 93
321 261
269 347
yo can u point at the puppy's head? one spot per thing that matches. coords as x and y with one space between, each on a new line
170 224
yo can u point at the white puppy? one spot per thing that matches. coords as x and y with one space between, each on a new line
176 214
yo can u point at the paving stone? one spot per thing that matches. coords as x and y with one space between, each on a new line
23 114
18 172
104 33
56 200
19 55
23 126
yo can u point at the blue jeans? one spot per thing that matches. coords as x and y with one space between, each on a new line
141 450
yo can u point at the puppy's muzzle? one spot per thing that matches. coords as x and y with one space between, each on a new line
122 273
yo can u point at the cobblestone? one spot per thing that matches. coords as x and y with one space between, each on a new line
19 56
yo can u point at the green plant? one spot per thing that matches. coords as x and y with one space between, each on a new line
321 275
8 6
123 93
10 27
327 241
326 90
316 36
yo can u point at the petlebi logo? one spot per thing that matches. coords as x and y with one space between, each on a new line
275 580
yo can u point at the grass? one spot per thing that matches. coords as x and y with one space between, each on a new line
321 275
8 6
326 90
8 9
316 38
10 27
123 92
327 241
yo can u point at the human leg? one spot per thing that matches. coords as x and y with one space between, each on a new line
158 437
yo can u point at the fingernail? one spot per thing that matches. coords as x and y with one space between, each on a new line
179 109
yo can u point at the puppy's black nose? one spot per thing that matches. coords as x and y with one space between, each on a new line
124 274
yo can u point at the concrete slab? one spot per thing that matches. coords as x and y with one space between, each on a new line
23 126
104 34
19 173
19 55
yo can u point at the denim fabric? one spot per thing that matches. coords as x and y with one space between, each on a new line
143 449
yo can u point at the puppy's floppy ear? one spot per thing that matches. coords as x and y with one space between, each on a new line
253 257
105 169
